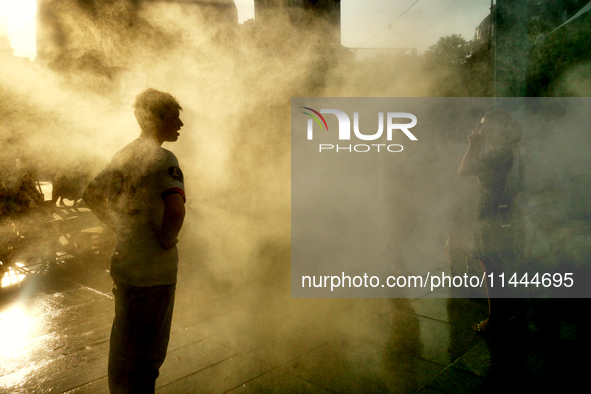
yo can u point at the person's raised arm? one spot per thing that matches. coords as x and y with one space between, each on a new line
172 220
470 161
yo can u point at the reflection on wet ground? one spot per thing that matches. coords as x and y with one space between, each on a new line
242 332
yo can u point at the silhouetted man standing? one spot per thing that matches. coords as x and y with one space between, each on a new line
140 195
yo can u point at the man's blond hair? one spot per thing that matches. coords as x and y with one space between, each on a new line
153 103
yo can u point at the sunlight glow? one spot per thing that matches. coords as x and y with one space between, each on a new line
15 325
245 9
17 21
11 277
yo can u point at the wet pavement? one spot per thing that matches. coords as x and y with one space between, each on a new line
237 329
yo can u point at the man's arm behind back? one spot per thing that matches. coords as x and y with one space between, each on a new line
94 196
172 220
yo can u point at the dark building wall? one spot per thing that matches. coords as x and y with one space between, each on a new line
319 17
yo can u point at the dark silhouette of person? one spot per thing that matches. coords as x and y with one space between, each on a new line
493 243
458 246
140 195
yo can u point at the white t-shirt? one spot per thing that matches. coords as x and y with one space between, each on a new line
135 183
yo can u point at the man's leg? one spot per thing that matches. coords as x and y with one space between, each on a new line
156 318
121 350
139 337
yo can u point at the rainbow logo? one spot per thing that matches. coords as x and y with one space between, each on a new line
316 118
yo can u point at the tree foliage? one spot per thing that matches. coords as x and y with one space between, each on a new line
556 59
451 50
459 67
559 64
